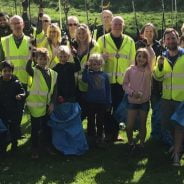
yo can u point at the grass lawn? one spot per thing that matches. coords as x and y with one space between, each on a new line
111 165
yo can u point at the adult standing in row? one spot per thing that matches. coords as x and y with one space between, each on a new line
15 49
118 51
105 28
170 70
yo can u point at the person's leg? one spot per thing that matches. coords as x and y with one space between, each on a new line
131 117
143 112
35 131
156 118
100 118
117 94
15 133
178 144
143 130
91 129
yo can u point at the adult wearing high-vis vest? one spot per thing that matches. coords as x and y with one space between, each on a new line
40 101
118 51
85 46
15 49
170 70
44 21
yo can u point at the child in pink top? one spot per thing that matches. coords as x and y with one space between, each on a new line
137 84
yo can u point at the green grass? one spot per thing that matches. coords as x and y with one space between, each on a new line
111 165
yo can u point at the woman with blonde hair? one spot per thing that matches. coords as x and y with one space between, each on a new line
52 43
85 47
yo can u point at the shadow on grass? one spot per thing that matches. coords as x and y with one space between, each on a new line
111 165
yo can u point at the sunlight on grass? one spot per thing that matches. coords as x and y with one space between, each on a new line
87 176
140 171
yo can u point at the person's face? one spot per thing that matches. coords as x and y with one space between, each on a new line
45 22
53 33
3 21
82 35
7 73
117 27
42 60
63 57
141 59
171 41
106 18
72 25
17 26
95 65
148 33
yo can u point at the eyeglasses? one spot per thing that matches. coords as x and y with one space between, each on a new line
45 20
74 24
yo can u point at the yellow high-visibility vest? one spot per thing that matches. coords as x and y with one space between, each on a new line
39 94
173 79
119 59
41 39
17 56
78 75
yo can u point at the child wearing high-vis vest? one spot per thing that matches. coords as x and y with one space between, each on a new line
137 84
40 100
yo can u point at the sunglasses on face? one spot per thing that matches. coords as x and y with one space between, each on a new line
74 24
45 20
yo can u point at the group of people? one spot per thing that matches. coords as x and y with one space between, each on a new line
45 69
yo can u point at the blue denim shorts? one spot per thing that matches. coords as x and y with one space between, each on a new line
144 106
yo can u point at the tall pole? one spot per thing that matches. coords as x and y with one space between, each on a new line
15 6
135 16
86 9
60 18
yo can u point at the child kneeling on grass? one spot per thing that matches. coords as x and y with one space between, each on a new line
40 101
137 84
11 95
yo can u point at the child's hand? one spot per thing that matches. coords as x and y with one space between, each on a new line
50 108
73 51
18 97
105 56
161 62
137 94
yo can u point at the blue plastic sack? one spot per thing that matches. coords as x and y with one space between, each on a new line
178 116
67 131
122 111
3 128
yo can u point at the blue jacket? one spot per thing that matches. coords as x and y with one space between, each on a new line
98 87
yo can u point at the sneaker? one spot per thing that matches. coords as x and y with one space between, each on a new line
176 160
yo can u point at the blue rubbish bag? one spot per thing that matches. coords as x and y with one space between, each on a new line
178 115
121 113
3 128
67 131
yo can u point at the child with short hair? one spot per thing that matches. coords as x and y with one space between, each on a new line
11 95
137 84
98 96
66 87
40 101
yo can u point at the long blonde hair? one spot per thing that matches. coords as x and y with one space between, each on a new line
86 29
54 27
